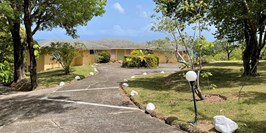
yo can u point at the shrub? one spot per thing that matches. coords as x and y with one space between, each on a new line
6 73
139 59
131 61
103 57
151 61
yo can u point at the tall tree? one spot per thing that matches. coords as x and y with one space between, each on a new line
11 12
227 47
242 20
181 13
48 14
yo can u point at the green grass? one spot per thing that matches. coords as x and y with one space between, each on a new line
172 95
54 77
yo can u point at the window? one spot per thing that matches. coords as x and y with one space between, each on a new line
92 51
127 51
113 53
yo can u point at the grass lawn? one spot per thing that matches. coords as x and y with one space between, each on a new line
172 96
54 77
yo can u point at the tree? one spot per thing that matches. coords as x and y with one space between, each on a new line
11 13
64 53
47 14
169 26
202 48
227 46
181 13
6 55
242 20
6 49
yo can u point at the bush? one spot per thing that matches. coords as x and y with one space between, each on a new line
151 61
132 61
6 73
139 59
103 57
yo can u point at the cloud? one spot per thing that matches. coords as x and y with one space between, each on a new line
118 7
120 31
143 12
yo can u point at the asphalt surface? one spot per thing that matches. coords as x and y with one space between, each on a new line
92 105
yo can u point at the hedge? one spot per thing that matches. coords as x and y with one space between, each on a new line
149 61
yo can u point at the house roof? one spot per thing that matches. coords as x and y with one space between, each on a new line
88 43
106 44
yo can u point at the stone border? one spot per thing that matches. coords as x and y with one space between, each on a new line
170 120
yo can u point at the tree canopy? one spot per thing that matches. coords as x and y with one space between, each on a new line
241 20
45 15
238 20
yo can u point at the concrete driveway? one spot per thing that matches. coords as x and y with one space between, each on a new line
92 105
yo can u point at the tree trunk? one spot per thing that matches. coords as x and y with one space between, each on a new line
67 70
228 56
247 52
250 60
18 52
29 40
198 90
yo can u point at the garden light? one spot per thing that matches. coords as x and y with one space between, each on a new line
191 76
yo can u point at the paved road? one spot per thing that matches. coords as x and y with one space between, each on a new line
92 105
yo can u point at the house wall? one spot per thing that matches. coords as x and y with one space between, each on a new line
117 52
49 63
85 59
163 58
45 62
172 58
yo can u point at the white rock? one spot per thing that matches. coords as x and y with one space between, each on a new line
125 80
96 64
150 107
125 84
224 124
61 83
77 77
133 93
91 73
162 72
95 69
144 73
132 77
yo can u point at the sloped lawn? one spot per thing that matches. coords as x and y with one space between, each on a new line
172 96
54 77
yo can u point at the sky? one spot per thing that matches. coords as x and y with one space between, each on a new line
123 19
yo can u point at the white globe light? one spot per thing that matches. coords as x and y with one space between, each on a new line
191 76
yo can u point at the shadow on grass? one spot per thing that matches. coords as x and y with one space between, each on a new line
53 77
227 78
160 83
255 97
222 78
251 126
224 64
28 107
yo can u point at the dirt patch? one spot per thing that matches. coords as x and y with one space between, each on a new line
206 126
214 98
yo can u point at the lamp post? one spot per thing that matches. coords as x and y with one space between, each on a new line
191 76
